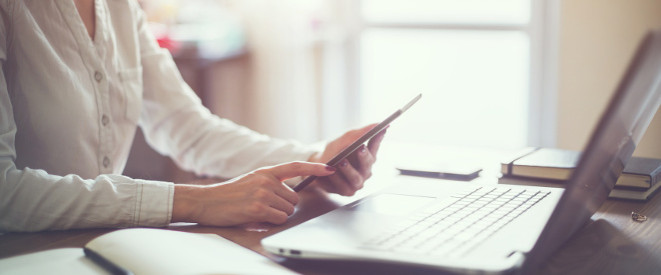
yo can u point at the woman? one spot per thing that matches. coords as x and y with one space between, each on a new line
78 77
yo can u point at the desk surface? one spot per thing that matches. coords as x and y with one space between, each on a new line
611 243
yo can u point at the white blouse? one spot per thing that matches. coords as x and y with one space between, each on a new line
69 108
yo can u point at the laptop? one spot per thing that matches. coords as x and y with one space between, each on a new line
487 228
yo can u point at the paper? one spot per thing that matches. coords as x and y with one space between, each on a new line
55 261
149 251
158 251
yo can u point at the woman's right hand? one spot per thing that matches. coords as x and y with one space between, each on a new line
259 196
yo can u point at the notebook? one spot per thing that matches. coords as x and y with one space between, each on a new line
473 228
146 251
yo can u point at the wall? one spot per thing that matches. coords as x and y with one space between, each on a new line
597 40
282 38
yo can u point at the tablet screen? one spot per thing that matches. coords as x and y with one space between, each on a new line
356 144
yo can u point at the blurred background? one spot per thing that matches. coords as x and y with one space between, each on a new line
493 73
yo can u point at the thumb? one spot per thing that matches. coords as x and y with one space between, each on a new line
351 136
300 168
356 133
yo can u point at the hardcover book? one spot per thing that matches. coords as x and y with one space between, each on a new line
638 181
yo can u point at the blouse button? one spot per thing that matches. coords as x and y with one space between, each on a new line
98 76
105 120
106 162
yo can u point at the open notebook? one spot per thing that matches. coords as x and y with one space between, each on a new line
148 251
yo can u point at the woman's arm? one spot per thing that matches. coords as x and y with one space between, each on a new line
259 196
176 124
34 200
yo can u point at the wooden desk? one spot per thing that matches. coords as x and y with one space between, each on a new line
612 243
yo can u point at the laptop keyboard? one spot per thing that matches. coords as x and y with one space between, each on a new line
456 226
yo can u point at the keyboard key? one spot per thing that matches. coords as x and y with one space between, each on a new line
456 226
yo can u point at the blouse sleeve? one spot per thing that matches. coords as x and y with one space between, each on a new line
176 124
34 200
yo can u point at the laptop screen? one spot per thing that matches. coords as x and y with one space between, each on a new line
619 130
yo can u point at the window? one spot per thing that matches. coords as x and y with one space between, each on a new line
484 68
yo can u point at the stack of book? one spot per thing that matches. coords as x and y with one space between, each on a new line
639 180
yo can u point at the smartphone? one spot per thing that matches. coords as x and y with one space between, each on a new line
449 172
364 138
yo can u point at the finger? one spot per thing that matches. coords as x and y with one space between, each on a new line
327 185
287 193
365 160
299 168
374 143
355 134
353 178
281 204
262 212
269 184
338 184
274 216
350 137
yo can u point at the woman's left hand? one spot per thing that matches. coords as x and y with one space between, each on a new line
353 171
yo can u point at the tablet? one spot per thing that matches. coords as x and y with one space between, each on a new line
370 134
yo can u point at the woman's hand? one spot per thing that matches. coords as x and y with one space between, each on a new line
259 196
355 169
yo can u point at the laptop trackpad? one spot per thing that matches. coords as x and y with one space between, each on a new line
391 204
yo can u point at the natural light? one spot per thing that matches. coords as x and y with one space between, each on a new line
475 83
464 11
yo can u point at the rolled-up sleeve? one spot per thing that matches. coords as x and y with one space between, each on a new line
33 200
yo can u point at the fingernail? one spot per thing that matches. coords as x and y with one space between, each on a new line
344 163
363 149
331 168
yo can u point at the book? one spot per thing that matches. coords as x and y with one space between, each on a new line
639 179
542 163
640 173
148 251
507 163
637 195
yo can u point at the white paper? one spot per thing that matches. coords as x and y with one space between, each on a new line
158 251
55 261
149 251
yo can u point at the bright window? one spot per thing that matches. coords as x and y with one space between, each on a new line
458 11
473 61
